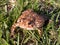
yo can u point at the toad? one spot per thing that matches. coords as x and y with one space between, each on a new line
29 20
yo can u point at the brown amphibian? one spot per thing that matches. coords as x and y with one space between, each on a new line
29 20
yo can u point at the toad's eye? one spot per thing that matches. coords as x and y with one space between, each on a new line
30 22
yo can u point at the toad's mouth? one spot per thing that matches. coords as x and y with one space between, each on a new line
27 28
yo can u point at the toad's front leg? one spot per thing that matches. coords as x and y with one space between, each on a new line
13 28
40 31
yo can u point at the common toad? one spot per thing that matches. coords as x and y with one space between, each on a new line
29 20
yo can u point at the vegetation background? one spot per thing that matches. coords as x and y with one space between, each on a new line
51 34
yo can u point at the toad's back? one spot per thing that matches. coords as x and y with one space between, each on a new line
30 20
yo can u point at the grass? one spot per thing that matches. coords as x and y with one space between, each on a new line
50 8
